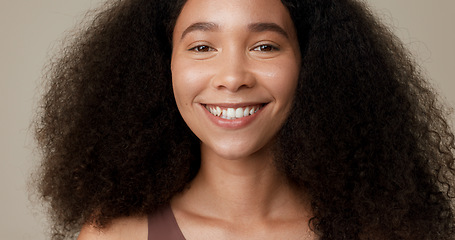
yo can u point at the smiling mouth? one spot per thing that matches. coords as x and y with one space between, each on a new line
233 113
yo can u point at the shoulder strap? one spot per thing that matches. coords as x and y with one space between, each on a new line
163 226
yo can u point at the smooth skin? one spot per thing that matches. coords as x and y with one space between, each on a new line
234 53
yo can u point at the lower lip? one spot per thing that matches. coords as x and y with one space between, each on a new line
232 123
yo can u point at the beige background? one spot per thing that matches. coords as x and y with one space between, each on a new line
30 29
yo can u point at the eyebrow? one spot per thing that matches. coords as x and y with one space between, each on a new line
253 27
263 27
201 26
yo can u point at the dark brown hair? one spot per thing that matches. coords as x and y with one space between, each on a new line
366 139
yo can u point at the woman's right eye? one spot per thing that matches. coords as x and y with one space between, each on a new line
201 48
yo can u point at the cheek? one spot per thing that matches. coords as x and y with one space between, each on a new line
187 81
285 85
281 79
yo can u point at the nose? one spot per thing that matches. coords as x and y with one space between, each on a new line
234 72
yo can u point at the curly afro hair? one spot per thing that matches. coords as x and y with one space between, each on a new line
367 138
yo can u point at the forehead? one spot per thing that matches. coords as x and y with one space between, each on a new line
228 13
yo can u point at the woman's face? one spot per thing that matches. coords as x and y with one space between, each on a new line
235 65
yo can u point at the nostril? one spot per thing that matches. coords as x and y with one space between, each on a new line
234 81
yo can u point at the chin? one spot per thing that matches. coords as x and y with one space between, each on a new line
236 152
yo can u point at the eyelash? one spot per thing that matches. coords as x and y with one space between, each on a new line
201 48
259 48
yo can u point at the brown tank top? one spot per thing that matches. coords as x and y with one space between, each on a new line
163 226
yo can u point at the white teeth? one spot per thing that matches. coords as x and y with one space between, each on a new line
218 111
238 112
246 112
232 113
215 111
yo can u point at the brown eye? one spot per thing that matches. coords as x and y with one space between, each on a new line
265 48
201 48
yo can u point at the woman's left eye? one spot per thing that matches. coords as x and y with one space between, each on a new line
265 48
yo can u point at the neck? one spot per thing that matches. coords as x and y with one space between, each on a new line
235 189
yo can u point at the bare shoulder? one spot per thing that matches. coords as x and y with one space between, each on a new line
134 228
